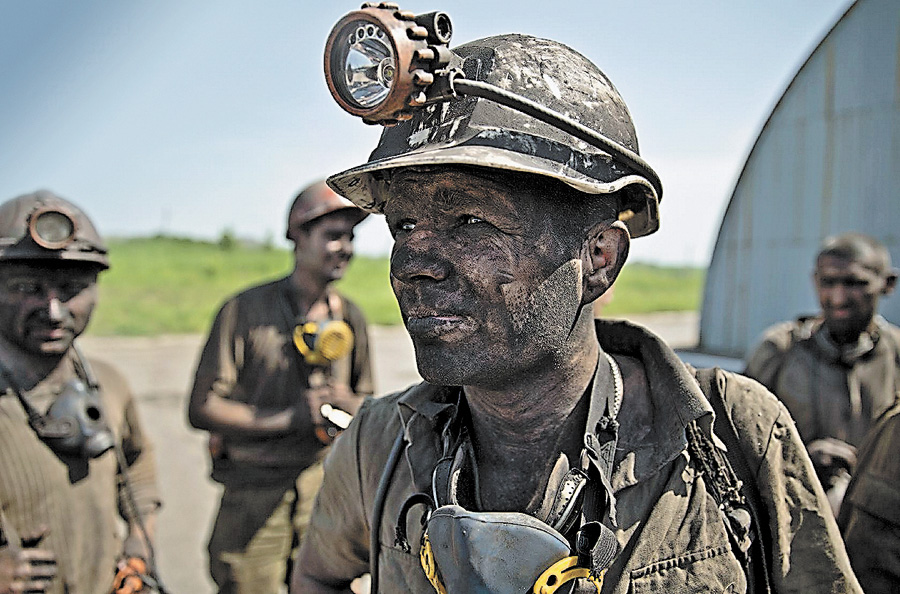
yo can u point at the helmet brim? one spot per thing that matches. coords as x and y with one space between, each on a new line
361 186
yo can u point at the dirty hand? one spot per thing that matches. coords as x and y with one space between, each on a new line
338 396
831 458
26 568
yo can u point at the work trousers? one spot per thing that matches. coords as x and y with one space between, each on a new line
257 534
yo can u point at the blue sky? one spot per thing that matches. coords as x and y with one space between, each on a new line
195 117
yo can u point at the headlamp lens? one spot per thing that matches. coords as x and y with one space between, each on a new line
368 61
53 228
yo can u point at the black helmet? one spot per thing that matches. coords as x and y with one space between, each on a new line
43 226
468 130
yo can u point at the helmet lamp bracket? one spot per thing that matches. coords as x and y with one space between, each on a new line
381 62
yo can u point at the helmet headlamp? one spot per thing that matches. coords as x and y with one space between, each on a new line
382 64
52 228
380 61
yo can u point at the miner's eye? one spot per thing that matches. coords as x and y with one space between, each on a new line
23 287
402 226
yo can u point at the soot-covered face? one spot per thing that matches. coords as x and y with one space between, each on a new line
849 291
323 250
43 308
488 285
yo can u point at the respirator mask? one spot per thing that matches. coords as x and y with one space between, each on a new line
321 344
74 425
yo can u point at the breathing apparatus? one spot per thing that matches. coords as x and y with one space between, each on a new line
322 344
510 552
75 424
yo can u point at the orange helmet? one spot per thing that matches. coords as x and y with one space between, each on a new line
43 226
314 201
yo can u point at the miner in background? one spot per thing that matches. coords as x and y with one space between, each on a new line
837 371
870 513
74 458
279 355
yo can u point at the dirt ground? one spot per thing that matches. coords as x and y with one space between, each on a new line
160 371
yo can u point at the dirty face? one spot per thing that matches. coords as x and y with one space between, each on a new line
487 288
323 249
848 292
44 308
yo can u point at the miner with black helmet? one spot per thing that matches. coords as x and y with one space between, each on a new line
545 449
72 448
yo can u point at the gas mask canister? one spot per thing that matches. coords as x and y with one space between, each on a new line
75 425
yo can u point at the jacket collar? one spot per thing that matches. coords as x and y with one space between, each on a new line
675 398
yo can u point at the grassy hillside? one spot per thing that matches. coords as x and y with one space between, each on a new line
168 285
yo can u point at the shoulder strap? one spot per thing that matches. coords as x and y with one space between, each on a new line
758 554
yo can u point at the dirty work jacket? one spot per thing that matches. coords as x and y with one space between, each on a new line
250 357
672 534
77 501
829 393
870 514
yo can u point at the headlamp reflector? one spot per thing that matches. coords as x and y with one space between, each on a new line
368 62
51 228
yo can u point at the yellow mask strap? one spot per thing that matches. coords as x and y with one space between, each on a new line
564 571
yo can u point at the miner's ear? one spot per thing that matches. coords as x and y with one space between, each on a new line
604 253
890 282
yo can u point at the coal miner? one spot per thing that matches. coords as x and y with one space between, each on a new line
285 364
74 459
838 371
545 449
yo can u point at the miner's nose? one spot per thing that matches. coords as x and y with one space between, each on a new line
419 256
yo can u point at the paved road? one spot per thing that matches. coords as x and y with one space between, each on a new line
160 371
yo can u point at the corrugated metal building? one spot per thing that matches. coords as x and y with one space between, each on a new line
826 161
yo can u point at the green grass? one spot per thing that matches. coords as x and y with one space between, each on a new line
167 285
645 288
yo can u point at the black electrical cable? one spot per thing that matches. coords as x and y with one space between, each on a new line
464 86
378 511
134 512
138 518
